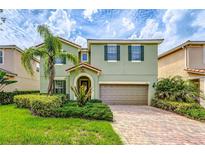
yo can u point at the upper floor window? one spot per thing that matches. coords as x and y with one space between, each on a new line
60 61
1 57
136 53
112 53
84 57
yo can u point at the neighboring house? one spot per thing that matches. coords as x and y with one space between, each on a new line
186 60
118 71
10 62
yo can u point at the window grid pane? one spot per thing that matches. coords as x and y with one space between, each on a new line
112 53
84 57
1 57
136 52
59 86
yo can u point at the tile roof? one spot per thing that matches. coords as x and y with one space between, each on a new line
8 72
84 65
197 71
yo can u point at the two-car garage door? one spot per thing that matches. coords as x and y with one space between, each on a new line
124 94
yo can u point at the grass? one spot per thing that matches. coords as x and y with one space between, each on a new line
18 126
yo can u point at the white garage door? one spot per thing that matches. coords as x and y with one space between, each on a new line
124 94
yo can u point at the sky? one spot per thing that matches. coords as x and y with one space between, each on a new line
174 26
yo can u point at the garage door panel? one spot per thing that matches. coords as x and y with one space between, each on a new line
124 94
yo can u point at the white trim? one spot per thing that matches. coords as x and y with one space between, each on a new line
204 54
111 61
122 82
92 83
2 57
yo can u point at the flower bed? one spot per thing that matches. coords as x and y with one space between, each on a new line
190 110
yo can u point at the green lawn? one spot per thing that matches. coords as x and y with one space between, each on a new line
18 126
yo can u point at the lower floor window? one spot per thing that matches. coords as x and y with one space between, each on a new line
60 86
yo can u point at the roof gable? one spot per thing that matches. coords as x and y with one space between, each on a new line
84 65
64 41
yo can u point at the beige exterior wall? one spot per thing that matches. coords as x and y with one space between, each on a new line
172 64
196 57
12 63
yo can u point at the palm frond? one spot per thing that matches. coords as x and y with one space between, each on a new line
27 57
69 56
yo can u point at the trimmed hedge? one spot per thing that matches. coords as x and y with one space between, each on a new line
190 110
98 111
95 101
54 106
41 105
7 97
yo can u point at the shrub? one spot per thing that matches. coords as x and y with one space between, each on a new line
82 94
191 110
98 111
177 89
7 97
46 106
95 101
41 105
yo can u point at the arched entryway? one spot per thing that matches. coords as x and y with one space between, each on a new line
84 81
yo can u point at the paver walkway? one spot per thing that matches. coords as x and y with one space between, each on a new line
149 125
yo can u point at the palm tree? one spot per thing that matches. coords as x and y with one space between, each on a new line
49 52
4 81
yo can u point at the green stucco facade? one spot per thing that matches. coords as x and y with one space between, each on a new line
123 71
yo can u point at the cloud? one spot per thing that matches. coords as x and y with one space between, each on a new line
199 20
81 41
151 30
127 23
88 13
61 23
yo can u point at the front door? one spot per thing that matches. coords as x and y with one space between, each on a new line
84 83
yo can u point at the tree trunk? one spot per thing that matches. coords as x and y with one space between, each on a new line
51 77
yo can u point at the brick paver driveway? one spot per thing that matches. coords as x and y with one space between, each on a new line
149 125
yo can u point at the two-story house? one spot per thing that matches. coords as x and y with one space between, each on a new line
10 62
186 60
118 71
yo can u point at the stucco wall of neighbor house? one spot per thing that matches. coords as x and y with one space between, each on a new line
12 62
8 63
60 69
125 70
202 88
94 78
196 59
172 64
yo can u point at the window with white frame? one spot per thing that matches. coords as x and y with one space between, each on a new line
84 57
1 57
136 53
60 86
112 53
60 61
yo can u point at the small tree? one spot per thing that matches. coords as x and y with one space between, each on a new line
49 52
4 81
82 94
177 89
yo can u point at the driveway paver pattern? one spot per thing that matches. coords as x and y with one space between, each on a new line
149 125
